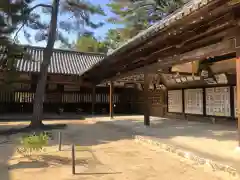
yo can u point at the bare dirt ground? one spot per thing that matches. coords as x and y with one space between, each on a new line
101 153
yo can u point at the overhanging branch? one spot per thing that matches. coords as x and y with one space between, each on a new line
16 35
40 5
30 10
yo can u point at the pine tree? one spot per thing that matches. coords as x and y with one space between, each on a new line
88 43
138 15
11 16
79 14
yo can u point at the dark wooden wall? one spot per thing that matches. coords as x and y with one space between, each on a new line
126 101
157 102
22 101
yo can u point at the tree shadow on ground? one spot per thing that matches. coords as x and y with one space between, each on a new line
7 150
90 163
47 116
90 134
103 132
165 130
28 164
29 129
44 161
84 134
76 133
169 128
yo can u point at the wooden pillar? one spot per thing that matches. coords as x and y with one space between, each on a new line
238 92
204 102
146 101
93 99
111 99
183 105
237 48
232 108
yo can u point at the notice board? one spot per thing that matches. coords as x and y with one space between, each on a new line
193 101
218 101
235 101
175 101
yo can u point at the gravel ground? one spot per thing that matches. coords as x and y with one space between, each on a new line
102 153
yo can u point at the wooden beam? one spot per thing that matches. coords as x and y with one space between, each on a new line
174 50
155 68
201 52
221 48
197 22
146 101
205 37
212 29
201 18
111 99
211 13
227 22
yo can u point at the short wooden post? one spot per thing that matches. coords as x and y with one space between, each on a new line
60 141
183 105
111 100
93 99
73 159
146 101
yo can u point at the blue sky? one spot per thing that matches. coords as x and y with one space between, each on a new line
100 32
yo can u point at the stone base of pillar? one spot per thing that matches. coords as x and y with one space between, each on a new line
145 126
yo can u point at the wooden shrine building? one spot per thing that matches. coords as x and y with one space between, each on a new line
66 89
192 57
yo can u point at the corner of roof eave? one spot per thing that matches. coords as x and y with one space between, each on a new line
89 69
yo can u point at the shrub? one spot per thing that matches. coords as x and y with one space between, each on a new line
34 142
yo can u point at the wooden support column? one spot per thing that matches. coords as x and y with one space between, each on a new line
183 105
237 47
146 101
93 99
111 100
204 102
238 92
232 108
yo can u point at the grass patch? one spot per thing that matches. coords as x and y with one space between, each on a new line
29 129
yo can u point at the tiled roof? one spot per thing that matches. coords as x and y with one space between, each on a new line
184 11
62 61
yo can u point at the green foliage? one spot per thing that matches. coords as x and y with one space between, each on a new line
113 38
11 16
73 17
88 43
70 16
137 15
34 142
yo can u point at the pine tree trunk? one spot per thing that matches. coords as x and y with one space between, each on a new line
39 97
37 117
